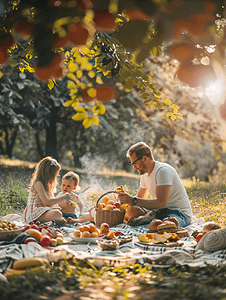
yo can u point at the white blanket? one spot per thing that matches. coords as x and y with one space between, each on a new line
134 251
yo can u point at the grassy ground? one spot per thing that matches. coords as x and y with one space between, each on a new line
73 279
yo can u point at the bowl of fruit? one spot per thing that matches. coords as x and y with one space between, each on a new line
109 210
9 230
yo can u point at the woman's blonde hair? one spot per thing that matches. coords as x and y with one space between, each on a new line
46 171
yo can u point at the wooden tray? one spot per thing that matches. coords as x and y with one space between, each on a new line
181 232
170 244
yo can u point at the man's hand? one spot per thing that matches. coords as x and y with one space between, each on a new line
125 198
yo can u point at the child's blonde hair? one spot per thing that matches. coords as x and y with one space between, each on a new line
46 171
73 176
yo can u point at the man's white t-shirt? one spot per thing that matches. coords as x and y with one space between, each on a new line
164 174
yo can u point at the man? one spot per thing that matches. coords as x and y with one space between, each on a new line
169 197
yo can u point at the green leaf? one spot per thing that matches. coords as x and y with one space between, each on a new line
166 101
79 116
50 84
79 109
154 51
71 85
99 109
68 103
128 85
92 92
169 114
72 67
173 117
87 123
174 106
95 120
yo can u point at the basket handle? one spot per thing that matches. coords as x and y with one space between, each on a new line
110 192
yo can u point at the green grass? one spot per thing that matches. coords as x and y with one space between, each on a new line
83 280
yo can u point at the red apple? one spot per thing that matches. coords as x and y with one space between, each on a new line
199 236
117 204
29 239
101 234
31 223
37 223
104 228
46 232
118 232
35 227
27 227
45 240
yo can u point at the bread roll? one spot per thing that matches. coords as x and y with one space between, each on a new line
154 224
171 219
167 226
210 226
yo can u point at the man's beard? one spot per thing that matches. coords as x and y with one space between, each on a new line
142 169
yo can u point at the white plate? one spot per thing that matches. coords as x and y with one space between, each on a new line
85 240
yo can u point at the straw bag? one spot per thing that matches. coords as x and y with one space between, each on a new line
111 217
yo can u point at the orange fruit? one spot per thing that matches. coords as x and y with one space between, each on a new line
109 207
92 228
85 228
104 21
111 202
110 235
97 230
77 233
106 93
86 234
105 199
80 227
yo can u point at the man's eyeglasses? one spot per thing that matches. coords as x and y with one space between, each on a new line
132 163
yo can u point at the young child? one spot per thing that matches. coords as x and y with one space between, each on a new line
70 183
42 205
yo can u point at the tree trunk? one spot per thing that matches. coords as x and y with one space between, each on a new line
51 140
10 143
39 147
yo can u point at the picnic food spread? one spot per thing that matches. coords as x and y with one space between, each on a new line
156 238
209 226
47 236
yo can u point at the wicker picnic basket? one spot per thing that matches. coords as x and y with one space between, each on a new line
111 217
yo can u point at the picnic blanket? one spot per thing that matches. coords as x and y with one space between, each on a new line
188 254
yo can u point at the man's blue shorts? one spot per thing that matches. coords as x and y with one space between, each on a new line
183 219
